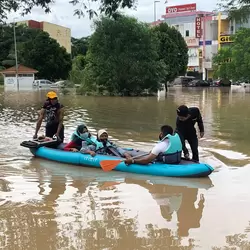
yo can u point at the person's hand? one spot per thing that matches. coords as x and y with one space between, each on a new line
35 136
92 153
201 134
127 156
73 150
128 161
57 137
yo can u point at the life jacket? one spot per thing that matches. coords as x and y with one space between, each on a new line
172 155
78 140
107 149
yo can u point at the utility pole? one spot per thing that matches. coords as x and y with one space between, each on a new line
17 79
155 1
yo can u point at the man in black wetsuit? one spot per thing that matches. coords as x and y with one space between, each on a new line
53 112
186 119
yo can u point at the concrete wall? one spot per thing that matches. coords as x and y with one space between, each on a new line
59 33
25 80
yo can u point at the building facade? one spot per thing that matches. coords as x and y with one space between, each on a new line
61 34
204 33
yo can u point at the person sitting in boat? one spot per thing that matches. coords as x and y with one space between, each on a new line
103 146
80 136
168 149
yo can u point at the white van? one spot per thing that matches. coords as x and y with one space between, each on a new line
43 84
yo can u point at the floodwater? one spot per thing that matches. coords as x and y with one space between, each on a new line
47 205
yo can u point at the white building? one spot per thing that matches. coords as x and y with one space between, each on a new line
25 78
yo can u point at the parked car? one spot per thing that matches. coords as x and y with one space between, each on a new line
43 83
199 83
223 83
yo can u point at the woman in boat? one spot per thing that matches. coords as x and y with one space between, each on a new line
79 137
103 146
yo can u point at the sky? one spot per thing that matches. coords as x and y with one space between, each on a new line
62 14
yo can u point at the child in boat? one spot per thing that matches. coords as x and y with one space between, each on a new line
103 146
81 135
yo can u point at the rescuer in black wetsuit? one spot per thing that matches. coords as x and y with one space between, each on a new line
185 122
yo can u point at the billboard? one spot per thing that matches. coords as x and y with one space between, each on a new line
181 8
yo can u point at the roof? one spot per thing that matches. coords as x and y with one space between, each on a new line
186 13
21 69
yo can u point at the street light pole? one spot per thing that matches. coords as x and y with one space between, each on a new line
156 1
14 28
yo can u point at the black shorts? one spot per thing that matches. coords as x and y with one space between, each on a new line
51 130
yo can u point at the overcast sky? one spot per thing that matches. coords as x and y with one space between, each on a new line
62 14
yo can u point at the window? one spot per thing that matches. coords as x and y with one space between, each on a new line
187 32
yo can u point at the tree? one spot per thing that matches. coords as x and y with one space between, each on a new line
108 7
122 57
35 49
77 72
223 64
172 50
238 10
45 54
233 62
79 46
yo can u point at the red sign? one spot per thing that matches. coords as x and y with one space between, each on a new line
181 8
198 27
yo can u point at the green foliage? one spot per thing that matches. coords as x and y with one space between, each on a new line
233 62
79 46
172 50
45 55
36 50
77 72
108 7
1 79
238 10
122 57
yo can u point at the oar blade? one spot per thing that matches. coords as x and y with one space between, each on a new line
108 165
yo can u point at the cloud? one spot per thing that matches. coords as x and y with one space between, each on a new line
62 14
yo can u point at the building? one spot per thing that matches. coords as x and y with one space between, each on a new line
61 34
26 77
204 33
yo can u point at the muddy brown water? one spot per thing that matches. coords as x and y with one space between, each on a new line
48 205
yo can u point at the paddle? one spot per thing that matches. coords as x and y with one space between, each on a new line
108 165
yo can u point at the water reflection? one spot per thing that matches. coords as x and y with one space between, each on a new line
73 212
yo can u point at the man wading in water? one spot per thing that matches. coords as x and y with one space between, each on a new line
186 119
53 113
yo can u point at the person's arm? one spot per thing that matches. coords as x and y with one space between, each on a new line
158 148
200 122
88 149
145 160
39 122
61 115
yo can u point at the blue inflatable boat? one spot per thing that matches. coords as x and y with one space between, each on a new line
184 169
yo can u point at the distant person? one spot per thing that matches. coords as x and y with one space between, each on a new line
185 127
168 150
80 135
53 112
102 145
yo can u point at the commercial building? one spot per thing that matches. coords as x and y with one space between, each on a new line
204 32
61 34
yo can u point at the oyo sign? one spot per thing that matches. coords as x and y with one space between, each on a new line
181 8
